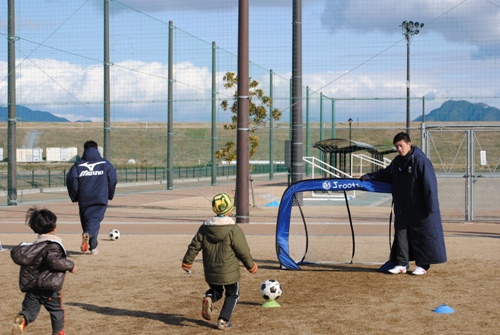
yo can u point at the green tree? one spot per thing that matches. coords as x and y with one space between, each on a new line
259 104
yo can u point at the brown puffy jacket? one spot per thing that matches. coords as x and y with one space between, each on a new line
43 265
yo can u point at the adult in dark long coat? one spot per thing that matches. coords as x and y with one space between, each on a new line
418 228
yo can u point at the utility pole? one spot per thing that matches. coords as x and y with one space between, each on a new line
243 130
296 118
11 107
410 29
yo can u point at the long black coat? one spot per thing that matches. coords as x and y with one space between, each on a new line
416 204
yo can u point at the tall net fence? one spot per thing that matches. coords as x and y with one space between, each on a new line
60 70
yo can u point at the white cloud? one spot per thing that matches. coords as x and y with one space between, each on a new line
456 20
136 86
354 54
139 89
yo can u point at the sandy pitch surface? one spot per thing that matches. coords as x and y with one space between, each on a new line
136 285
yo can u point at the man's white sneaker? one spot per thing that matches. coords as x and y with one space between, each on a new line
398 269
419 271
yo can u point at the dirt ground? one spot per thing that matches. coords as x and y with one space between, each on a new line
136 285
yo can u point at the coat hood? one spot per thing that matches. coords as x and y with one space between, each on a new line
91 154
218 227
51 238
31 251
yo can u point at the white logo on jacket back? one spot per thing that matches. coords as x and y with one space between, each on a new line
90 168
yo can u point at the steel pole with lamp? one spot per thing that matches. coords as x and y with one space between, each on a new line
410 29
350 137
350 128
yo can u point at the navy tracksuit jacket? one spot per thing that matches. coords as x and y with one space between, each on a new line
91 182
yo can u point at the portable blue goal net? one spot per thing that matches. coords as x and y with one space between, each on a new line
308 208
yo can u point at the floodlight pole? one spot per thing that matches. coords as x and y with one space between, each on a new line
410 29
271 126
407 86
170 108
213 160
243 117
107 92
296 121
350 138
11 107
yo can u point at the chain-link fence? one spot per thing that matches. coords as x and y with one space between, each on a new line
60 72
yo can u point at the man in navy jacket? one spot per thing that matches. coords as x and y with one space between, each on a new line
418 230
91 182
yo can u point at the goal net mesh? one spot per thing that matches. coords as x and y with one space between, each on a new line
328 229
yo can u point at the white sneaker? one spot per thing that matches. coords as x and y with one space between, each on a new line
221 324
206 308
398 269
419 271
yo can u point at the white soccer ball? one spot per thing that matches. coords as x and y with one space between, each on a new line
270 289
114 234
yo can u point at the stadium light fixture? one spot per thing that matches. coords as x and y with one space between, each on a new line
410 29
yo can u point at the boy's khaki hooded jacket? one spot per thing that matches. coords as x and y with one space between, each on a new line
223 245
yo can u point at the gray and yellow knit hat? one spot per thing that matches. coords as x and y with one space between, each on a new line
222 204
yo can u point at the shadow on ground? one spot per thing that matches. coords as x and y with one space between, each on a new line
169 319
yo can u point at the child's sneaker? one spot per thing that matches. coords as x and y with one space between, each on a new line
94 251
221 324
85 242
206 308
19 325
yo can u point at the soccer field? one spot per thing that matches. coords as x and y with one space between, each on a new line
136 284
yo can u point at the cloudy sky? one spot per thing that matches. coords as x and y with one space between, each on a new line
352 50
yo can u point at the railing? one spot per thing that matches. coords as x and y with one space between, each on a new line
370 160
39 179
327 170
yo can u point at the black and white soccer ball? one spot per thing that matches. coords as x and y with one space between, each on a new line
270 289
114 234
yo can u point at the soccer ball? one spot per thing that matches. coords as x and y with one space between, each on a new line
270 289
114 234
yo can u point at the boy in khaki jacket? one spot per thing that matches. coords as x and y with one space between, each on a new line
223 246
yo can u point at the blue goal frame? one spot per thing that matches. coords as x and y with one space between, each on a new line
327 184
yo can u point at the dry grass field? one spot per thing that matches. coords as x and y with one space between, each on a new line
146 143
136 284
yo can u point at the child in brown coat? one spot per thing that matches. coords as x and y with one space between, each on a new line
43 267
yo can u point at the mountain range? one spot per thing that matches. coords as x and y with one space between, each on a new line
462 111
24 114
450 111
